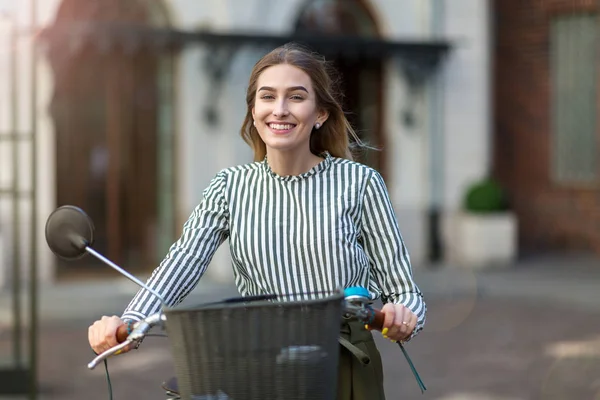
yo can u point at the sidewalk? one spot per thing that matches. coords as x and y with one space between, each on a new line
569 281
76 301
528 332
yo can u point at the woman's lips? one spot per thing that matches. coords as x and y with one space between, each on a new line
280 128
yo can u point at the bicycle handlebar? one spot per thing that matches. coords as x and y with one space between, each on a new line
356 305
139 331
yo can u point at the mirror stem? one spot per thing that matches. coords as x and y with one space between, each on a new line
123 272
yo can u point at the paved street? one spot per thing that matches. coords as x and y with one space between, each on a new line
531 332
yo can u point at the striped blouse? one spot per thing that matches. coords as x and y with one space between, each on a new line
330 227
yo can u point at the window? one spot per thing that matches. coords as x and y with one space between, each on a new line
574 69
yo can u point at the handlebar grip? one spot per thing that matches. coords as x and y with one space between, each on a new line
122 333
377 320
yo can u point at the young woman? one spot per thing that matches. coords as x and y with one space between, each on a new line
303 217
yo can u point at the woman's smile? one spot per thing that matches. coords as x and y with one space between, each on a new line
281 128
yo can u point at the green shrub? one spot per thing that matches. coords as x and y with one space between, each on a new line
485 196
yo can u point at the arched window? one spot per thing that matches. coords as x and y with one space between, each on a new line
112 111
336 17
361 80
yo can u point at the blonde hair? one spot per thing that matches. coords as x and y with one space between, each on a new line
334 136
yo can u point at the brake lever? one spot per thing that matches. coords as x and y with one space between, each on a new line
110 352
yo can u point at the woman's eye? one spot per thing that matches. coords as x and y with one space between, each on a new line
295 97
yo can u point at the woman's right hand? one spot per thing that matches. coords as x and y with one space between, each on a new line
102 334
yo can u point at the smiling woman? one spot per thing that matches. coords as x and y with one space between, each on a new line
303 219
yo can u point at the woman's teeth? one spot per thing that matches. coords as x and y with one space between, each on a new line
281 127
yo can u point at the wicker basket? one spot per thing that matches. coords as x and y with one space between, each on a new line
267 350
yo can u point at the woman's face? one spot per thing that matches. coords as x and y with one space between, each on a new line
285 109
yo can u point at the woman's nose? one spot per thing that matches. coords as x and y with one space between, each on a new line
280 109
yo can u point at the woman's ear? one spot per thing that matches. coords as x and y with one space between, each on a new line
322 116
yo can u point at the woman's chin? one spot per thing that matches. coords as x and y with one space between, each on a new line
283 142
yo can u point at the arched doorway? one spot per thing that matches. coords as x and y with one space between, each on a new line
110 108
361 80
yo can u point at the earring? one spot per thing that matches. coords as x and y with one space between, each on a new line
254 123
317 125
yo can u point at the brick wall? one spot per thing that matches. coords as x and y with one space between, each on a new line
552 218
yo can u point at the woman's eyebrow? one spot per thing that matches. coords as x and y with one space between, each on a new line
291 89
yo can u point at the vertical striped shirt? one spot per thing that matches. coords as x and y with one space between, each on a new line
331 227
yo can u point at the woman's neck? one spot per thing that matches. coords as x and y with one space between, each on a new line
291 163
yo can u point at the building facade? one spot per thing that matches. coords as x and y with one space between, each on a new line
546 144
134 135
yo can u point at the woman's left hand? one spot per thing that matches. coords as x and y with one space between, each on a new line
399 322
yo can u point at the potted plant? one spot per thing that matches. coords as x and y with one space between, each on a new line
484 232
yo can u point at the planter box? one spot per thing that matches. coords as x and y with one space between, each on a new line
481 240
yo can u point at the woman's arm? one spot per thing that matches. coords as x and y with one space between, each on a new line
187 259
390 263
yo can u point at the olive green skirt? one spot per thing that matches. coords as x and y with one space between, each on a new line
360 375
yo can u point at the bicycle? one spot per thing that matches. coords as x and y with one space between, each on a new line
289 346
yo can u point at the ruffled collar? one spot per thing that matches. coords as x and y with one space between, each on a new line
322 166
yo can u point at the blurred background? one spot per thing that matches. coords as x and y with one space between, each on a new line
486 115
